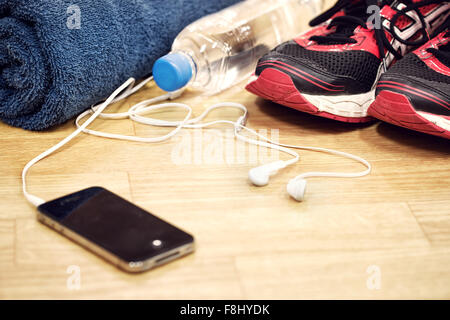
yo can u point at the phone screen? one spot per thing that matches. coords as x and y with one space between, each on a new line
116 225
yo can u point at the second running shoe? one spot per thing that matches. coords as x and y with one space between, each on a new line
415 92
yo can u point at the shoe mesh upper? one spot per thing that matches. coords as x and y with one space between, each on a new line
445 58
360 66
411 65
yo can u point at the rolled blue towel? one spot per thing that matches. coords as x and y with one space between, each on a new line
58 57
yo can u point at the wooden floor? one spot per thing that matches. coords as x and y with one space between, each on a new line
386 235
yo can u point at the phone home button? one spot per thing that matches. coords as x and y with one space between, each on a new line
157 244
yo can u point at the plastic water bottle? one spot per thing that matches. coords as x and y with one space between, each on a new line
222 49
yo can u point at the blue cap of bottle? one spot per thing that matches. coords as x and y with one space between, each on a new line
172 71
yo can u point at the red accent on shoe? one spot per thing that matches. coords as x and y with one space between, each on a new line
411 90
396 108
306 78
293 69
429 59
277 86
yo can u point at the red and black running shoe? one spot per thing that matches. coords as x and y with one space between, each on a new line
415 92
332 70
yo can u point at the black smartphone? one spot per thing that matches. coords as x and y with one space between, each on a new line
115 229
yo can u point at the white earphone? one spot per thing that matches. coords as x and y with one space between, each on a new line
296 187
259 176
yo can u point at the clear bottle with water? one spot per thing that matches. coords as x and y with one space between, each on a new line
222 49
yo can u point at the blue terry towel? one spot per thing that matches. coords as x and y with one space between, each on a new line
58 57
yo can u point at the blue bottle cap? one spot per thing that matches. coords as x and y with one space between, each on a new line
172 71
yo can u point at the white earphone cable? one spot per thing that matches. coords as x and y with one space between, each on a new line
38 201
136 112
324 150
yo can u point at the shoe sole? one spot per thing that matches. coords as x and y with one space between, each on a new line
277 86
397 109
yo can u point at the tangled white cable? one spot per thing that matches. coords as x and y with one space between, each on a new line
259 176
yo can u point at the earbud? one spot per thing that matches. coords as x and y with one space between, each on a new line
296 188
259 176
